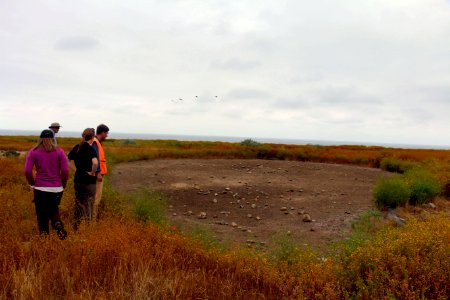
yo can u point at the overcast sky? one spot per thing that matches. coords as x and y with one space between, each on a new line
350 70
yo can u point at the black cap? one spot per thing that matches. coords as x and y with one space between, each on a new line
46 133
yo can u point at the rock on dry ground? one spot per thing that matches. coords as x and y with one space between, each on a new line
245 200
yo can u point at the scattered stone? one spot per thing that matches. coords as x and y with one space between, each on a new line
429 205
221 222
292 208
243 229
170 206
288 232
225 212
250 241
215 216
227 189
249 216
189 212
174 214
202 215
312 229
348 213
283 208
258 218
214 200
233 224
216 194
253 205
249 231
307 218
241 206
392 216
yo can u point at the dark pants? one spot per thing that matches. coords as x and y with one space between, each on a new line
84 204
47 209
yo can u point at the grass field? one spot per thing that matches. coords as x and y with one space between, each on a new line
122 257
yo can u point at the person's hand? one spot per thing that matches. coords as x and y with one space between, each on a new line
91 173
99 177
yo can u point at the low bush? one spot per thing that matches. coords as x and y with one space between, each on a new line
129 142
11 153
286 249
392 164
424 186
250 143
149 206
391 192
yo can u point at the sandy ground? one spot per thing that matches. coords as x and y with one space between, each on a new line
248 201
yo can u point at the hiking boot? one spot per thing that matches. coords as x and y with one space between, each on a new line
60 231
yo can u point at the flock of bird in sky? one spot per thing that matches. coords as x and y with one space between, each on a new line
181 99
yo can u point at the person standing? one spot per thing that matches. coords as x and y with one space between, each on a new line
86 164
49 182
101 135
54 127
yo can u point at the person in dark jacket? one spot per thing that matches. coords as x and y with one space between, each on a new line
50 163
86 164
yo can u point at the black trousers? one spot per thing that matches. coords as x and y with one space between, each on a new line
84 204
47 209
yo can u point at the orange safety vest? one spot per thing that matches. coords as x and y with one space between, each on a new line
101 154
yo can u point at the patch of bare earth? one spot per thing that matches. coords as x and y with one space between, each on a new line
251 200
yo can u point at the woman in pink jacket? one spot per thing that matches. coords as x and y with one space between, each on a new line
52 172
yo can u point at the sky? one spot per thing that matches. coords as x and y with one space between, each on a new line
374 71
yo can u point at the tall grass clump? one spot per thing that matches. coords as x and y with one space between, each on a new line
363 229
391 192
149 206
424 186
286 249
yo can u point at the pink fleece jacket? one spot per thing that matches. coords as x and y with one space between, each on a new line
51 168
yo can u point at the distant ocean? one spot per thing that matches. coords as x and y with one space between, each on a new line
146 136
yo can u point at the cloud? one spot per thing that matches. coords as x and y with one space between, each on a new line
247 93
234 64
77 43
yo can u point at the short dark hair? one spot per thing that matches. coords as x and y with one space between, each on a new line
102 128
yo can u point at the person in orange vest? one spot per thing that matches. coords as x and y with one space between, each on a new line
101 135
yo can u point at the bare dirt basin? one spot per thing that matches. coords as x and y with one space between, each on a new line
251 200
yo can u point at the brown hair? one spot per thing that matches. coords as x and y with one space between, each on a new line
87 135
48 144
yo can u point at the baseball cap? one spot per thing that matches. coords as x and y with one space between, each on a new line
46 133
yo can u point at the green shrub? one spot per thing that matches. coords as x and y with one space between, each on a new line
391 192
129 142
286 249
149 206
423 185
283 154
206 236
392 164
250 143
11 153
363 228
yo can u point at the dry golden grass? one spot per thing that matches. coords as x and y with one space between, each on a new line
121 258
